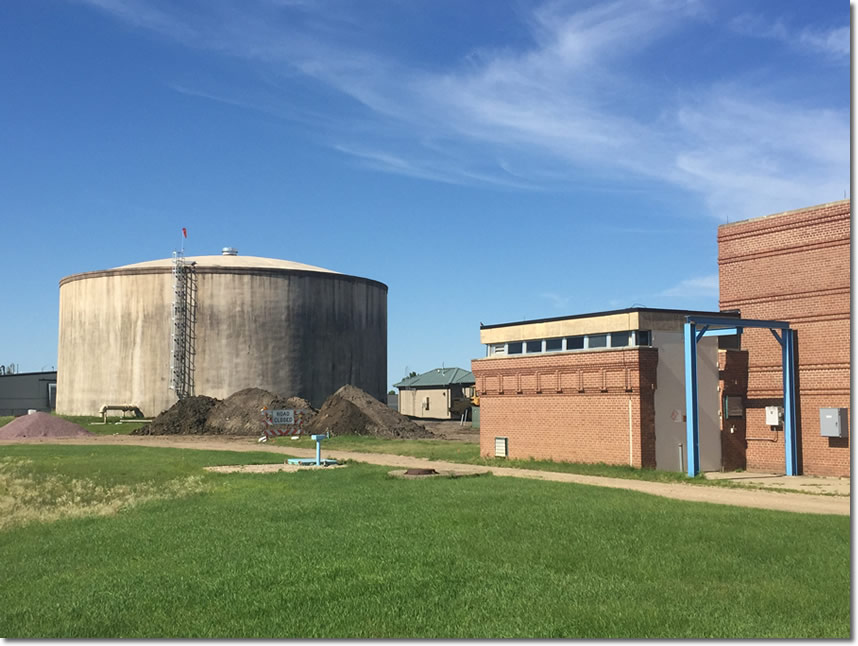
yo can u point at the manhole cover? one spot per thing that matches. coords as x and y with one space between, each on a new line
421 472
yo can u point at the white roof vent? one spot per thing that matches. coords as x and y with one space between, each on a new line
229 251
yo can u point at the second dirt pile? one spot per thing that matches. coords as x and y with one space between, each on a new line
351 411
240 413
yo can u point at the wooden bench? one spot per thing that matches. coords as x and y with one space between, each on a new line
125 408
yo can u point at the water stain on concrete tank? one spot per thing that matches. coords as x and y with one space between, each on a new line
290 328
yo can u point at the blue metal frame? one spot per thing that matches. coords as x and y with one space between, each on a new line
727 326
692 423
727 321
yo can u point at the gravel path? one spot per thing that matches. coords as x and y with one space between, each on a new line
776 500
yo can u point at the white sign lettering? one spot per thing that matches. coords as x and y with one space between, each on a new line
283 417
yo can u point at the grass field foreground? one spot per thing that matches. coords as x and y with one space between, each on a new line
352 552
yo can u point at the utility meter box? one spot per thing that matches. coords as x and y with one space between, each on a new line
774 415
733 406
833 422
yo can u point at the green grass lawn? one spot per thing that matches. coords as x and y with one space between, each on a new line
447 450
352 552
469 453
113 425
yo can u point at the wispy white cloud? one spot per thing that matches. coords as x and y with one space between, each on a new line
428 168
697 287
143 14
644 230
264 102
557 301
832 41
562 111
751 156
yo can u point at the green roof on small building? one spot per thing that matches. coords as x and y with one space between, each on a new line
438 378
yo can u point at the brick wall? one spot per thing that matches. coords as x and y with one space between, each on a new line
793 267
570 407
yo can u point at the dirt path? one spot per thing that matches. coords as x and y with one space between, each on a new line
452 430
776 500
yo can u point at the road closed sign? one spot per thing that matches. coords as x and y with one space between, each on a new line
288 421
283 417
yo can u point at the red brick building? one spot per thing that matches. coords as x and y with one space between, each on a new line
610 387
604 387
792 266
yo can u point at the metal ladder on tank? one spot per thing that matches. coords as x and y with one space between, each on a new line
183 318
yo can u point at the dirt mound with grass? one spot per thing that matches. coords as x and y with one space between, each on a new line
41 425
351 411
186 417
239 414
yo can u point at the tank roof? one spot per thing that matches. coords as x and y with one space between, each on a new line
253 265
230 262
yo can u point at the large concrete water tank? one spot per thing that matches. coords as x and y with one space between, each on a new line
287 327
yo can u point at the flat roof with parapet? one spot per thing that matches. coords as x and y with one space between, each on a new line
29 374
632 318
816 207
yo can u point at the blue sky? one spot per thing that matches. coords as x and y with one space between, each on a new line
488 161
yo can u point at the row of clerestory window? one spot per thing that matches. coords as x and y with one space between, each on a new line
571 343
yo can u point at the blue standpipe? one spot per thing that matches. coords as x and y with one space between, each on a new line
318 438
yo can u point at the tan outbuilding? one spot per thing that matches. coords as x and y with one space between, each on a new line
442 393
290 328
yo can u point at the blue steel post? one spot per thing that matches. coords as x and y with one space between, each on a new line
737 325
691 421
318 452
789 403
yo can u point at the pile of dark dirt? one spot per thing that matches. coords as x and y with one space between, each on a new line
41 425
185 417
239 414
351 411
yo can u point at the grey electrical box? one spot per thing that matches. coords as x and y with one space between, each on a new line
774 415
834 422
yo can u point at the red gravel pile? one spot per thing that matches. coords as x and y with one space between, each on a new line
351 411
239 414
41 425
